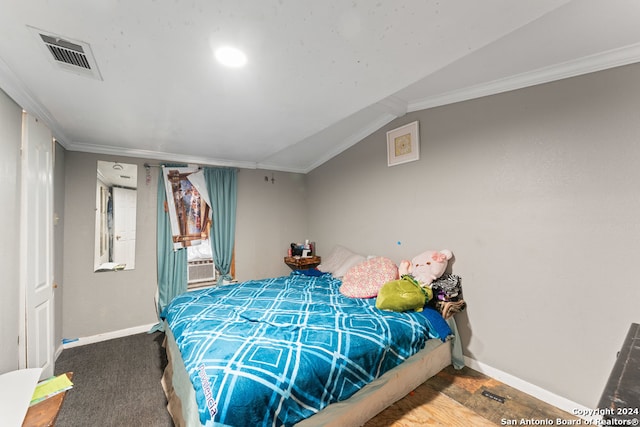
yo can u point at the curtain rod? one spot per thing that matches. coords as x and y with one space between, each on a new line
147 166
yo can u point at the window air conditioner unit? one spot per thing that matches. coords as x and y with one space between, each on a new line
201 271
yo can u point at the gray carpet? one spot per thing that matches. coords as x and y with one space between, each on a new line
116 383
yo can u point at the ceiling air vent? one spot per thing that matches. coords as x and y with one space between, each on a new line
68 54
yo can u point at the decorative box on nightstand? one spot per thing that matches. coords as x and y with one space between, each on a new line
298 263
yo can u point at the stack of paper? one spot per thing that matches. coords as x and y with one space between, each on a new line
50 387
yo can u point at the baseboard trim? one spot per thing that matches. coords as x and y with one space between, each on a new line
535 391
108 336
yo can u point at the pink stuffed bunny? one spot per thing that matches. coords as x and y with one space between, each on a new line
426 267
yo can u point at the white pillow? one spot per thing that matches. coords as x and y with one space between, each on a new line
352 261
339 260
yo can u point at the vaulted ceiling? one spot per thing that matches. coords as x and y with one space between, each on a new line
319 77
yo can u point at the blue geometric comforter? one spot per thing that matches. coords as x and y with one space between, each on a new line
274 352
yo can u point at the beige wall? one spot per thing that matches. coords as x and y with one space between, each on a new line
536 193
270 216
98 303
10 140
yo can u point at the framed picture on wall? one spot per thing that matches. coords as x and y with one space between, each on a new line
188 210
403 144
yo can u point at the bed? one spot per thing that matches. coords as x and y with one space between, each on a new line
293 350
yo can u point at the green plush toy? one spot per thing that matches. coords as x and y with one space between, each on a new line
402 295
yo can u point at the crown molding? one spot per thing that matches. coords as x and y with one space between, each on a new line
13 86
393 105
353 139
589 64
157 155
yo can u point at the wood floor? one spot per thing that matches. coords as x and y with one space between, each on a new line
466 398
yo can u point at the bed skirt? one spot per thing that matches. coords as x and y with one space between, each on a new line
355 411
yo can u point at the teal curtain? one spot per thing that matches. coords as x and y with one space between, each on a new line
222 185
172 264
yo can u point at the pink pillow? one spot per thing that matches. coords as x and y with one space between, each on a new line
365 279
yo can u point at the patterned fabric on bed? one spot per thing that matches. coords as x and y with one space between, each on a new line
276 351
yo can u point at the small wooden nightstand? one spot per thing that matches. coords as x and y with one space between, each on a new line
297 263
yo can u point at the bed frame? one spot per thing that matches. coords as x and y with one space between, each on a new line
355 411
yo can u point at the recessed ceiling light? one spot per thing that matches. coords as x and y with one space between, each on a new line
231 57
